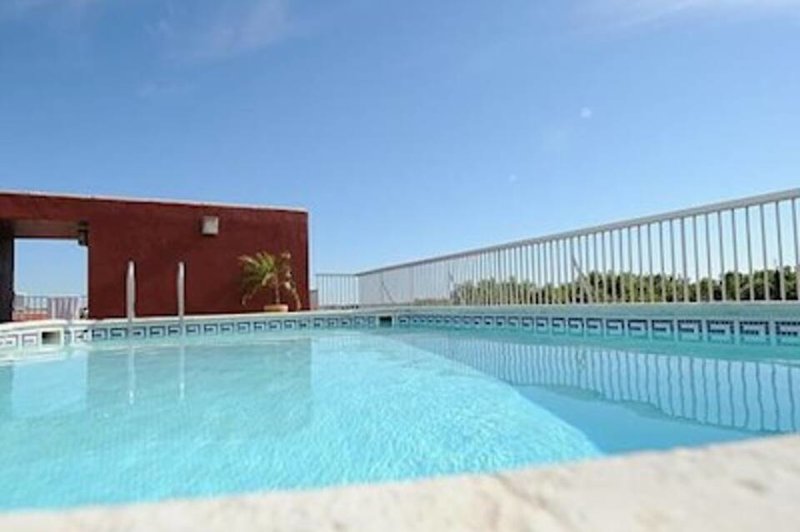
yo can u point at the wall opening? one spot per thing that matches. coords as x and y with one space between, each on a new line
50 279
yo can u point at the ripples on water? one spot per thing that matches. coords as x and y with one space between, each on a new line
134 423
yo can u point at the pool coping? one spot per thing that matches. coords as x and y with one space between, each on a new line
762 323
733 487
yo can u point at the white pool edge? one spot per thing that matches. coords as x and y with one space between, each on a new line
735 323
733 487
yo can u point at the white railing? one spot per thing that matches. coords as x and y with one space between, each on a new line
28 308
744 250
337 291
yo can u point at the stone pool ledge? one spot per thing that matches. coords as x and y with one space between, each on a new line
744 486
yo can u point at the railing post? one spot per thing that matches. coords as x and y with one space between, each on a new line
796 250
781 278
764 254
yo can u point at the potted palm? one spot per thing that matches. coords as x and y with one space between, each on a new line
266 272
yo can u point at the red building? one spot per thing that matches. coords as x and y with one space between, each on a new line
156 235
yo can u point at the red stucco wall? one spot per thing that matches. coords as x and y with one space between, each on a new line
156 236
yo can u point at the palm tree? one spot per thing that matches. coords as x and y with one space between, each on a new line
264 271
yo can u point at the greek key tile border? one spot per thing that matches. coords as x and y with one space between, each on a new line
713 330
229 327
757 330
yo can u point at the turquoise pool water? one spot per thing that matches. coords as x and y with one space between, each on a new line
123 423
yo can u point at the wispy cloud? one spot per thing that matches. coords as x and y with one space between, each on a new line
161 89
194 31
629 13
219 30
24 8
559 136
24 5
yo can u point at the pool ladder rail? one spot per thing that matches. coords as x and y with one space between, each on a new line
130 294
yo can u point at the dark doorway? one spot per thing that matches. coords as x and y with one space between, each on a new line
6 272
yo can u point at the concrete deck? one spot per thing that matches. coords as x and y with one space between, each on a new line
747 486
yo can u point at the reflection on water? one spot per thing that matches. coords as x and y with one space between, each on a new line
743 394
129 390
274 375
291 412
308 409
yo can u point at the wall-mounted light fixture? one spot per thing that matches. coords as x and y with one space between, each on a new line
210 226
83 234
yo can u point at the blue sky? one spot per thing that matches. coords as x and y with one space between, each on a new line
407 129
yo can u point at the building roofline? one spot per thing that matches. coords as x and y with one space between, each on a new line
159 201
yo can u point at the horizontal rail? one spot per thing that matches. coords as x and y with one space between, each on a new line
36 307
645 220
742 250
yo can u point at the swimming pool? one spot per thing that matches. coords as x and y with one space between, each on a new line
128 422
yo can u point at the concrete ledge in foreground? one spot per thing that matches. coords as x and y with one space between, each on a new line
740 487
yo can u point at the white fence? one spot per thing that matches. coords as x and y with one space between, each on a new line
27 308
337 291
744 250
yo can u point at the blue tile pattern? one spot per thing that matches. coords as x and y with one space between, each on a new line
755 330
696 329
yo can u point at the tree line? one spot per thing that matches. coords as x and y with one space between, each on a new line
599 287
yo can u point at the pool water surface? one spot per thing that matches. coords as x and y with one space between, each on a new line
119 423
